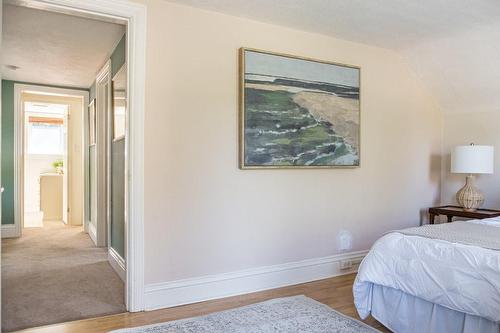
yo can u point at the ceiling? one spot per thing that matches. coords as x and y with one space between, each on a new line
452 45
54 48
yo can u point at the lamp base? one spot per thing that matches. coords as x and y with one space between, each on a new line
469 196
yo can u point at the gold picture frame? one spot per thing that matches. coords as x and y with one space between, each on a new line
268 82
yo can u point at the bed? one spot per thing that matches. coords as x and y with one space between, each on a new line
441 278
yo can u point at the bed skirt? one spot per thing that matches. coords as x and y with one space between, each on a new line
404 313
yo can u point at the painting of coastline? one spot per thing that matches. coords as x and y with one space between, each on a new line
297 112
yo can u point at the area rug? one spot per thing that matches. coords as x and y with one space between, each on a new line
284 315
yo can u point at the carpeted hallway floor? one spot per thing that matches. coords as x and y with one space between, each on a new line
55 274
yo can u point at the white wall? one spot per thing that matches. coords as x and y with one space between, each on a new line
34 166
205 216
462 129
461 69
463 74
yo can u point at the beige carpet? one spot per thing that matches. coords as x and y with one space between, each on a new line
55 274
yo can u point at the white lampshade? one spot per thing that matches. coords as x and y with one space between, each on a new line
472 159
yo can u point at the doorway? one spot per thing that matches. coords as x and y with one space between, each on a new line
133 15
49 156
53 159
45 163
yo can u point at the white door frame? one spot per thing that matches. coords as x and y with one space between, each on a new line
103 108
19 144
135 16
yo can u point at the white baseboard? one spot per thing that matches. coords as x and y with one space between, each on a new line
10 231
117 262
92 232
174 293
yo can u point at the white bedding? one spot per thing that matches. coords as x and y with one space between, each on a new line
460 277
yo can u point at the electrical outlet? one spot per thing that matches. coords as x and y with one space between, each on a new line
345 264
344 240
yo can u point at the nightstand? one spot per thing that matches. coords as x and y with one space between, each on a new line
452 211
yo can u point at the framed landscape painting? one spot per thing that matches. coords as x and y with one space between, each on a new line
297 112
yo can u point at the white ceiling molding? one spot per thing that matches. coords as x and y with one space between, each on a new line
452 45
55 48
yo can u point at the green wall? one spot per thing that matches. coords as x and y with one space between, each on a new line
118 169
118 56
117 60
117 166
7 160
118 196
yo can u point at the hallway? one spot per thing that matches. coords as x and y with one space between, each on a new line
55 274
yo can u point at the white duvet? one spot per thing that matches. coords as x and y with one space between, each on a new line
464 278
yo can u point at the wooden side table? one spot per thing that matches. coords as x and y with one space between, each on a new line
452 211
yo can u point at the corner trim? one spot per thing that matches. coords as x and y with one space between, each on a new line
186 291
92 232
118 263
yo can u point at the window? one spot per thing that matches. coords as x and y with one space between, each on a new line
46 138
45 129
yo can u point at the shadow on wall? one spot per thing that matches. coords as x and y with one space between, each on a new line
435 163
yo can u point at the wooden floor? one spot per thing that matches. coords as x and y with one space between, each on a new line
335 292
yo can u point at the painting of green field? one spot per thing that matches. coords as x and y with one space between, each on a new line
298 112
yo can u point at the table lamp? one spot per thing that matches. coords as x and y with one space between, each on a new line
472 159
